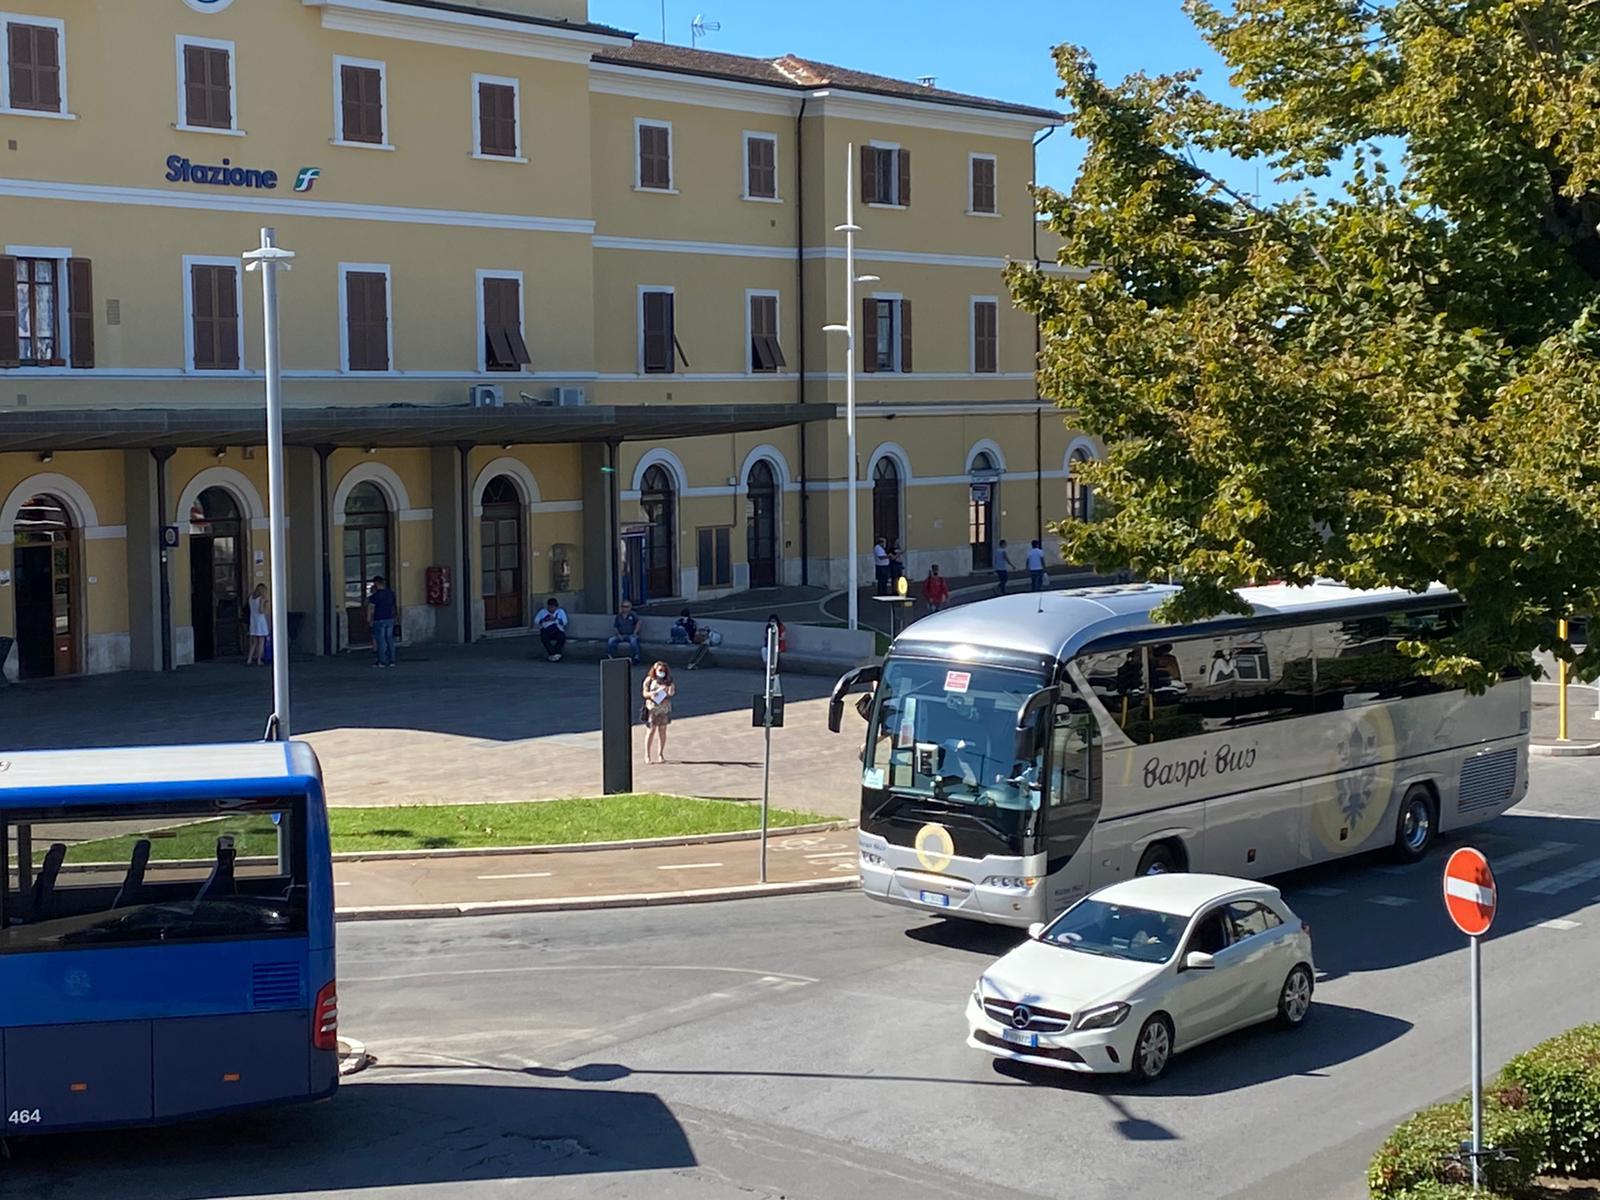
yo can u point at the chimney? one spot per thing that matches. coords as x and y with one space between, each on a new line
927 81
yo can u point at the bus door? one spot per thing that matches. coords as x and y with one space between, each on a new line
1072 800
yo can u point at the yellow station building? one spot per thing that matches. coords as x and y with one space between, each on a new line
554 324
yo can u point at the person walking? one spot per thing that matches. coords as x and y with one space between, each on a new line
783 646
657 692
1036 566
381 611
897 568
1003 566
626 625
880 565
260 627
552 623
935 589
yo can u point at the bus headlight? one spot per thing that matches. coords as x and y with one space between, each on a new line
868 858
1018 883
1106 1016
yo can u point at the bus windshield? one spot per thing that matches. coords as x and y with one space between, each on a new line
947 731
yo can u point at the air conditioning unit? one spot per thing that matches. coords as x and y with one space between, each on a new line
487 395
568 396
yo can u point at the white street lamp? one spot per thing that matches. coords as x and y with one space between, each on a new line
271 259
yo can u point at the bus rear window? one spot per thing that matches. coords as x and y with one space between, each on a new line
81 878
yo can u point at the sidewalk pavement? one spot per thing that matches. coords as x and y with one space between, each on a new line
1583 722
452 885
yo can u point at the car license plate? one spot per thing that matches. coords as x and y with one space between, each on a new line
1018 1038
938 898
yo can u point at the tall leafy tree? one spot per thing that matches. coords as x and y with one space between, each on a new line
1394 383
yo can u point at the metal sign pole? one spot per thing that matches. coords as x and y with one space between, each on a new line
1477 1063
766 720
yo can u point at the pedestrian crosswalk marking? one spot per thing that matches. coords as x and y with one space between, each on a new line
1390 901
1563 880
1560 923
1321 891
1533 854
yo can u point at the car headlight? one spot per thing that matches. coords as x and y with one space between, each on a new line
1020 883
1106 1016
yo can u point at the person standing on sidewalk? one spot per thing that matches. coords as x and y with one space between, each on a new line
935 589
260 627
657 692
552 623
880 565
1036 566
1003 566
381 609
897 568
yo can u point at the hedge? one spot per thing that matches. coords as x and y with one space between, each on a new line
1562 1079
1426 1149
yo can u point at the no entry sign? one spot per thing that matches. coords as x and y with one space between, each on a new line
1469 892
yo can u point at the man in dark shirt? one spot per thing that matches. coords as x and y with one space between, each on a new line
381 609
627 632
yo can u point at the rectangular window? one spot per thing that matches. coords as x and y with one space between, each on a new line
366 314
760 167
46 311
985 336
885 175
983 184
503 346
207 84
1359 662
659 336
495 103
885 334
156 874
715 556
655 155
214 316
765 352
33 74
362 119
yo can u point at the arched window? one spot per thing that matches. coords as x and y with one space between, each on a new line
366 555
761 529
1080 497
501 549
44 564
981 510
886 501
658 498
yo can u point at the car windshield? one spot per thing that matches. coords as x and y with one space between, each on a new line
1117 931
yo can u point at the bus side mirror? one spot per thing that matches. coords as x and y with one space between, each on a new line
1026 732
849 682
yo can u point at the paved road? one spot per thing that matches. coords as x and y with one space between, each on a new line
811 1047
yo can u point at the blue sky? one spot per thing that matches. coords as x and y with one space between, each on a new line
1000 48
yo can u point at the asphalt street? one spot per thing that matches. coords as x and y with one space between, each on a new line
813 1047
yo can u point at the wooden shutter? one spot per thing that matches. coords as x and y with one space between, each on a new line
196 100
903 162
8 312
35 57
983 185
659 351
497 120
207 87
761 166
869 334
225 280
367 320
80 311
655 156
502 325
202 292
361 99
985 337
869 174
355 315
905 335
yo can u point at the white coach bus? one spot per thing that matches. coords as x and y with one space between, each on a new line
1024 750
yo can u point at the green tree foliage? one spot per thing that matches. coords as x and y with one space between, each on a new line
1394 384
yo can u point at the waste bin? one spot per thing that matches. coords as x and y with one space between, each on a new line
296 620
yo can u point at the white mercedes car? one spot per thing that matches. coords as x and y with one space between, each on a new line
1138 971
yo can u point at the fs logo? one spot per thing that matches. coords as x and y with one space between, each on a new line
208 6
307 178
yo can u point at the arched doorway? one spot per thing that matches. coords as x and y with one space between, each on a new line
1080 498
886 501
501 536
981 510
45 566
366 556
658 498
216 575
761 526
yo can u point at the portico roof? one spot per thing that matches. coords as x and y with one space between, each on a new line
61 429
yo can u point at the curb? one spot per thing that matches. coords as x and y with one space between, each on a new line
691 839
353 1056
1555 749
493 908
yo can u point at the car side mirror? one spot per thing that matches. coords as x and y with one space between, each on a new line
1035 930
1198 960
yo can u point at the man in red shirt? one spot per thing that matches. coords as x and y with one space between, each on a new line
935 590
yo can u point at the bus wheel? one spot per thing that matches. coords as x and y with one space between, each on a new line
1416 826
1158 859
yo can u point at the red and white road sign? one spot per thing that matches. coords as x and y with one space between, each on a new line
1469 892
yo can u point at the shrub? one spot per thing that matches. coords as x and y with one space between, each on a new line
1561 1079
1424 1152
1449 1191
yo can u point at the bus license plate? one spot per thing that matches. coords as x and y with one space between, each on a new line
1018 1038
938 898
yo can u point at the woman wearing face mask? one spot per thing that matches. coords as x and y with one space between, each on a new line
657 692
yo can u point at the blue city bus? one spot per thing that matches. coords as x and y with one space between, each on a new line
166 934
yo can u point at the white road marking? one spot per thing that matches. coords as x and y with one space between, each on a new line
578 968
687 866
341 883
1465 889
1560 923
1561 881
1390 901
836 854
1321 891
1551 816
1534 854
519 875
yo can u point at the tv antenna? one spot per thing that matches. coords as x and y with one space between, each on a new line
699 27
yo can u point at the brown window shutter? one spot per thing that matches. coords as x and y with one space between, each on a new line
80 311
227 318
355 310
903 161
905 335
196 100
869 174
19 53
35 56
497 120
219 86
869 334
361 96
202 289
658 334
655 157
377 321
8 312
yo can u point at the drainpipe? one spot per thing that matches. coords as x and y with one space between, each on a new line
329 613
614 523
464 449
800 334
1038 348
161 456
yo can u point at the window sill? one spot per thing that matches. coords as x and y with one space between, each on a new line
666 191
880 204
209 129
978 212
38 112
360 145
504 158
224 372
764 199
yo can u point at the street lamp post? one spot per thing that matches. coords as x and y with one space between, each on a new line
850 229
270 258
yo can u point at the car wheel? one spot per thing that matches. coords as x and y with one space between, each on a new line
1294 1001
1416 826
1158 860
1153 1051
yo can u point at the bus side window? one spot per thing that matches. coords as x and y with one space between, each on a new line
1359 661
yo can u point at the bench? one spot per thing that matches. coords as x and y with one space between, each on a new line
813 649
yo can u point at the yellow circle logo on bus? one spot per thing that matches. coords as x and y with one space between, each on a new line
934 846
1348 806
